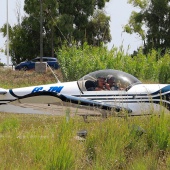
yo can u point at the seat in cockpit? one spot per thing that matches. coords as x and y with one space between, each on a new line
90 85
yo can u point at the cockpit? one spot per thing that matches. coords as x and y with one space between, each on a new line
122 80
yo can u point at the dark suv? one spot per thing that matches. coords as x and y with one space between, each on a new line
28 65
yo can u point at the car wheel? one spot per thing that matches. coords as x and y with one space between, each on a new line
25 68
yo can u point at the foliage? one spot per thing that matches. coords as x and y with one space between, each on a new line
164 75
1 64
97 31
151 23
78 61
62 21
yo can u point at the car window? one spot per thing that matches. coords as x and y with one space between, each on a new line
36 60
45 59
51 59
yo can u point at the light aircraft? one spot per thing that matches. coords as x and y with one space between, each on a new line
131 97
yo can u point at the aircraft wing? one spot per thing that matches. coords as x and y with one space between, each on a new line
87 102
32 98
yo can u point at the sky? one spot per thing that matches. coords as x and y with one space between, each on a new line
119 11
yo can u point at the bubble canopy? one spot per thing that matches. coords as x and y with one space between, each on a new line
122 79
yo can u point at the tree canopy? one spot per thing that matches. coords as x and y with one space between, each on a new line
63 21
151 23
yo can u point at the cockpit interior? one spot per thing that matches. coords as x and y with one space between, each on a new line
122 80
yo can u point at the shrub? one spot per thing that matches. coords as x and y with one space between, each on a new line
78 61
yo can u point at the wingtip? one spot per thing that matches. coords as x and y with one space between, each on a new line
3 91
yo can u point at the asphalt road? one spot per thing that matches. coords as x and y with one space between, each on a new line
48 109
58 109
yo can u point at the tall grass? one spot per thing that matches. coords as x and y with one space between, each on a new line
78 61
49 142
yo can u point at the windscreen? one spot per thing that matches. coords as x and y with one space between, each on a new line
122 80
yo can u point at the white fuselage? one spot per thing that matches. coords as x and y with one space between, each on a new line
140 98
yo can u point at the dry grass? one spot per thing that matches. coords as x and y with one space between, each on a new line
13 79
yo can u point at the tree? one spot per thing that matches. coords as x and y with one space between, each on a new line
24 40
151 23
98 29
87 18
63 21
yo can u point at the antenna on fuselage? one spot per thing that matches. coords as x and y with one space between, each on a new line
58 81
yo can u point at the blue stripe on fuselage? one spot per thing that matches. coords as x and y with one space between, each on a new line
56 89
163 90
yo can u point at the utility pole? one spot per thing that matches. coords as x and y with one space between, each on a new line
41 32
41 66
7 46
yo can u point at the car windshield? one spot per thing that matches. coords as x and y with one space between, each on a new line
122 80
45 59
36 60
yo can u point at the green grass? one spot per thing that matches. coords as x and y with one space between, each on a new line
49 142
